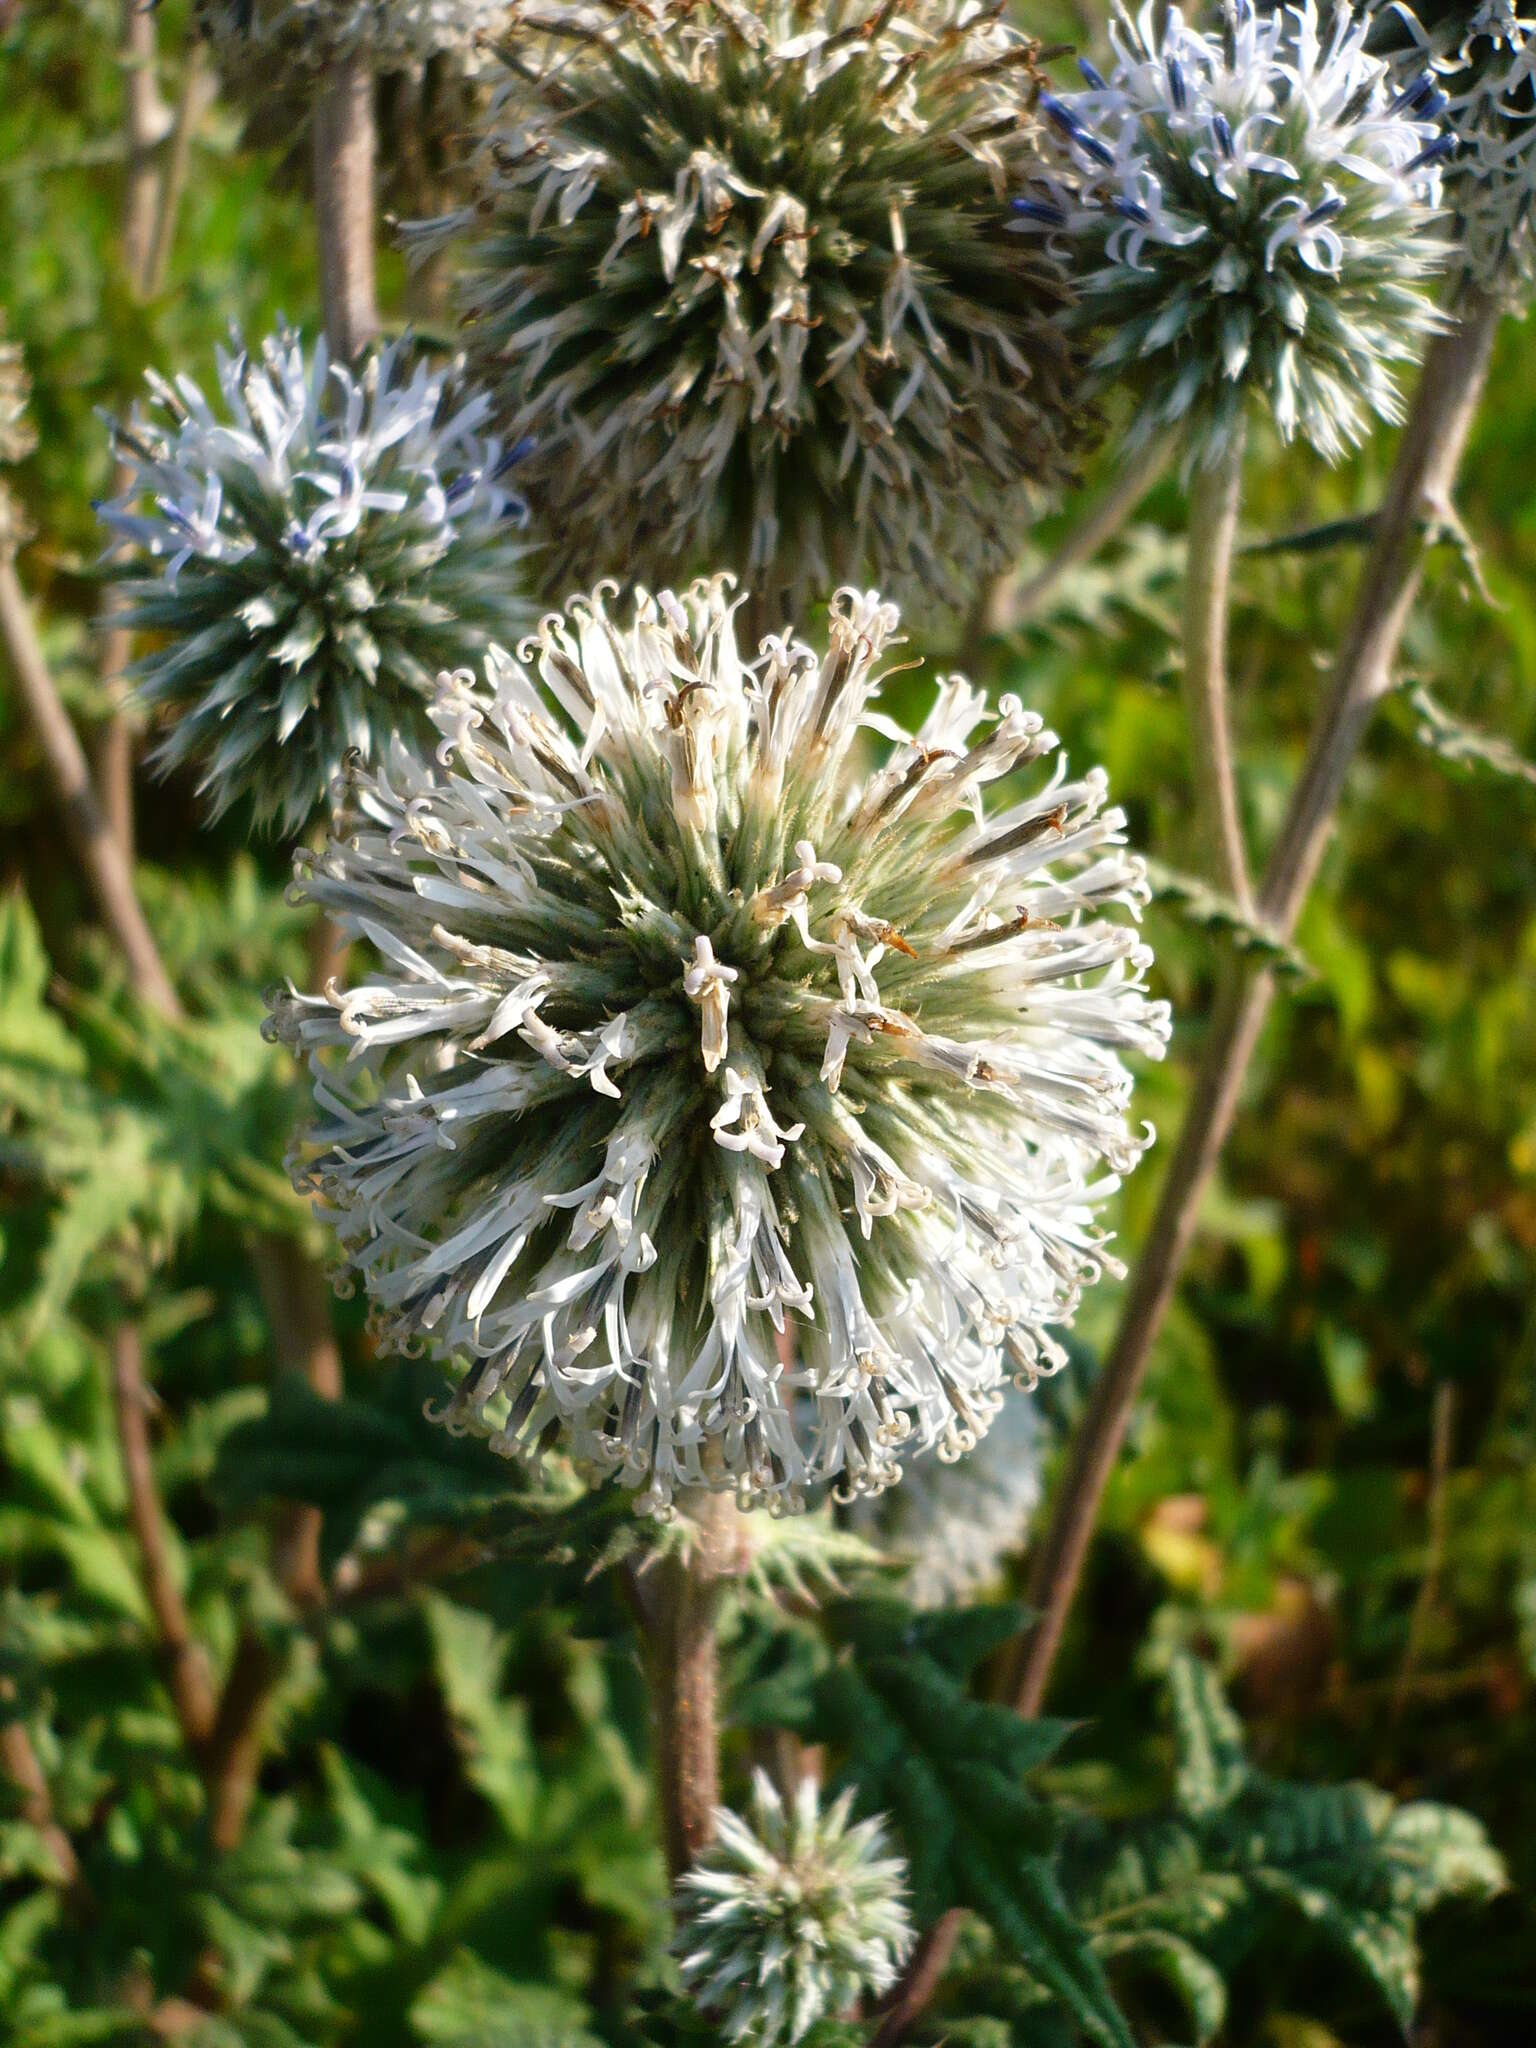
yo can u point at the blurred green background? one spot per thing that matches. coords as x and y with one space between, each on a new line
1331 1485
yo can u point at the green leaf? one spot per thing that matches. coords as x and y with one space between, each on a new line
949 1771
469 1655
470 2005
1213 1763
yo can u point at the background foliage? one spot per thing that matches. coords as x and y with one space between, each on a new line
1331 1491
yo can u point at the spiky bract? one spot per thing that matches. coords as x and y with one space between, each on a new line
954 1525
792 1917
311 559
1256 208
738 1114
746 279
1482 56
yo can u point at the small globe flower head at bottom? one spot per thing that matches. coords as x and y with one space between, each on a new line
1256 214
310 559
727 1108
789 1919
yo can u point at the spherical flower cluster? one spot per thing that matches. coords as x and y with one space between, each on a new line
311 560
955 1525
747 280
1481 56
790 1919
739 1113
307 34
1256 213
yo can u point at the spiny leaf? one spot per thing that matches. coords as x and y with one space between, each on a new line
1199 904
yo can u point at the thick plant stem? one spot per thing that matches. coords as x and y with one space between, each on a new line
100 855
1215 495
677 1601
345 147
1443 409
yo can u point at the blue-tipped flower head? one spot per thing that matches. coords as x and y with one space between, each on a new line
309 559
1478 59
1256 212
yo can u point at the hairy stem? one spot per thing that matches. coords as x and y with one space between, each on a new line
100 855
1215 495
677 1600
1444 405
181 1656
345 147
297 1301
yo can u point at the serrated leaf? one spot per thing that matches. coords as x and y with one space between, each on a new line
469 1655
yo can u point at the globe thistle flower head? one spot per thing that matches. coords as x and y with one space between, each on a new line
697 1043
791 1917
1256 212
302 36
311 556
746 279
1479 56
955 1525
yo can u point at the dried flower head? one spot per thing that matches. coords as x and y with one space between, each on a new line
312 559
739 1114
747 280
1257 213
1478 59
955 1525
791 1918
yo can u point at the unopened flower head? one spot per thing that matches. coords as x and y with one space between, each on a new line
1257 211
788 1918
311 556
739 1114
1480 56
746 278
955 1525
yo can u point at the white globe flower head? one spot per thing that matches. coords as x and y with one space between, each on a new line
1256 210
1479 58
311 556
954 1525
738 1111
789 1918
